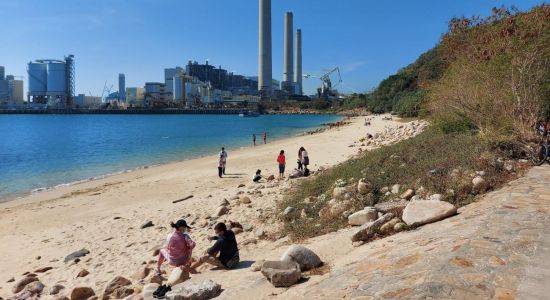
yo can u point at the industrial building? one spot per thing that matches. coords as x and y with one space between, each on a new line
220 78
135 96
11 90
122 87
52 82
89 102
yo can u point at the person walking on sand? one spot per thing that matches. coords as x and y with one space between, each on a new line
282 163
178 253
254 139
222 162
224 253
264 136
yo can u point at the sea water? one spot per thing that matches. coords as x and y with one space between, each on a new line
43 151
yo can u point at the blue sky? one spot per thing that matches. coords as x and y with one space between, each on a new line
368 40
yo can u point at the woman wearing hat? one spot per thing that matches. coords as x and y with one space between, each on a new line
178 253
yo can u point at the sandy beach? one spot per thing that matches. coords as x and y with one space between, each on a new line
105 216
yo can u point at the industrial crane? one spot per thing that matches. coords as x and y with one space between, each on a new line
326 91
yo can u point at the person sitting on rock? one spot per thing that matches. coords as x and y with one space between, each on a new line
224 253
178 253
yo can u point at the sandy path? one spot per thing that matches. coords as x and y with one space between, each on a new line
53 224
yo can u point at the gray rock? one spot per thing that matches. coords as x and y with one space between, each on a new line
21 284
259 233
34 288
305 258
222 210
282 273
407 194
388 227
479 185
289 212
117 288
339 193
54 290
423 212
396 207
436 197
82 293
149 289
195 291
369 214
257 266
363 188
367 231
245 200
147 224
399 227
395 188
75 255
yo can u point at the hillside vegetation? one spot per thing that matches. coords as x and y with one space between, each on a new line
482 86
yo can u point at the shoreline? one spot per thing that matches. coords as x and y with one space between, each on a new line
106 216
19 195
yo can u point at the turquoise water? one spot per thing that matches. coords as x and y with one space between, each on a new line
40 151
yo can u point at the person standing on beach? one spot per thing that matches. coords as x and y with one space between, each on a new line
222 162
303 157
254 139
282 163
264 135
178 253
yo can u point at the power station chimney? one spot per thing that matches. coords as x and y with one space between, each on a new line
298 70
265 75
288 69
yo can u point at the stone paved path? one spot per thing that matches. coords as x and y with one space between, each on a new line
497 248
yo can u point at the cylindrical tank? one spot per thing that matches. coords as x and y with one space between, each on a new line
57 77
37 77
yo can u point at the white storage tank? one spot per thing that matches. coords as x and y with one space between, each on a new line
57 77
37 77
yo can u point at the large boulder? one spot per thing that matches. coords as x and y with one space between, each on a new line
282 273
118 288
195 291
369 214
21 284
423 212
396 207
82 293
305 258
367 231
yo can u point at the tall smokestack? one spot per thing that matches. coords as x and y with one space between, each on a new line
265 75
298 70
288 69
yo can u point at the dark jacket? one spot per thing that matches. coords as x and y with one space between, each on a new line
226 245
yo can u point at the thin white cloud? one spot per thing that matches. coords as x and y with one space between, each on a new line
353 66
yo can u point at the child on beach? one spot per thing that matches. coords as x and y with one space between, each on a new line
178 253
282 163
258 176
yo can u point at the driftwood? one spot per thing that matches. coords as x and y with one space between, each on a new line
183 199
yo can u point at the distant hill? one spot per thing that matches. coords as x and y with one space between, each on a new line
495 68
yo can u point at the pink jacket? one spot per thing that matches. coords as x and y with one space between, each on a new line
179 250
